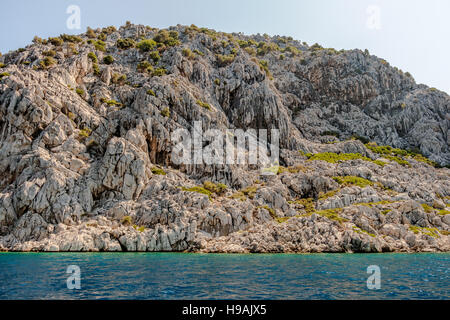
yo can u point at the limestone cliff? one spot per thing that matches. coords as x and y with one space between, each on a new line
85 146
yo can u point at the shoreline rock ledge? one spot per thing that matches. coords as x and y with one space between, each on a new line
86 155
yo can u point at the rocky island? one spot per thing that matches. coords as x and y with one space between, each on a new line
85 146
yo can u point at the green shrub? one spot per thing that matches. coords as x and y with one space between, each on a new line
36 39
90 33
399 160
188 53
332 193
109 30
79 91
56 41
84 133
127 220
427 208
432 232
270 210
307 204
264 65
2 65
251 51
218 188
102 36
108 59
47 62
146 45
196 51
224 60
165 112
293 50
96 69
158 171
204 104
332 214
353 181
264 48
154 55
217 82
118 78
359 230
93 57
71 38
111 102
100 45
151 92
168 38
332 157
159 72
126 43
49 53
4 74
198 189
145 66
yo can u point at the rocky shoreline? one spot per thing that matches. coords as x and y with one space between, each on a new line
85 147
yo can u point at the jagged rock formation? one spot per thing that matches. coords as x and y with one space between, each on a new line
85 146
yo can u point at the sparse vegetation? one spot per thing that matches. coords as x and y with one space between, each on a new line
158 171
49 53
145 66
154 55
218 188
99 45
71 38
165 112
224 60
168 38
118 78
270 210
188 53
84 133
146 45
111 102
127 220
126 43
332 157
93 57
332 214
108 59
198 189
79 91
244 193
47 62
4 74
204 104
159 72
353 181
90 33
56 41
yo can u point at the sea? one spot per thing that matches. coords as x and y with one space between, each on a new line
170 276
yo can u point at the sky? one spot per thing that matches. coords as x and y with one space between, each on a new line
412 35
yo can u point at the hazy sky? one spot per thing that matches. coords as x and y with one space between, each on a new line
411 34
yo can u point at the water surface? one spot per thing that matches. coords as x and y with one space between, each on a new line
222 276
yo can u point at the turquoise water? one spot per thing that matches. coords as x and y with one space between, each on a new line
221 276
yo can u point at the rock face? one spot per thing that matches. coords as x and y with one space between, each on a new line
86 152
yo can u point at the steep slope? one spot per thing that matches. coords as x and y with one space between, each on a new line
85 146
